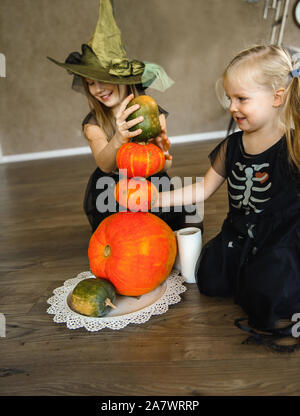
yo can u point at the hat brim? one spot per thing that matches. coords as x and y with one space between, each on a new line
98 74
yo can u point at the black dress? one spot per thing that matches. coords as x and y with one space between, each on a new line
256 257
176 220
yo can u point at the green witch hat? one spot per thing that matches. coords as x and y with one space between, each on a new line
104 58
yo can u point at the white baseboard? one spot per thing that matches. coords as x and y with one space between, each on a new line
198 137
45 155
187 138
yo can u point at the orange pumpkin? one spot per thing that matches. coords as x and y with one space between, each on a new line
136 194
135 251
140 159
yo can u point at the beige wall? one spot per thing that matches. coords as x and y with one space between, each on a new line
191 39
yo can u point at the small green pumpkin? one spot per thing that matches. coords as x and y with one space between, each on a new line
93 297
150 125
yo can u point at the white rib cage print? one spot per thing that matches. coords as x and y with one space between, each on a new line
249 180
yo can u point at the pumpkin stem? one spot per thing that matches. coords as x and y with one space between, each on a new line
107 251
109 303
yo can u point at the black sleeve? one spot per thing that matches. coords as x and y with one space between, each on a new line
218 158
90 119
288 167
162 111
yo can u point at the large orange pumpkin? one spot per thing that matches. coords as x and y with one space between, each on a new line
135 251
136 194
140 159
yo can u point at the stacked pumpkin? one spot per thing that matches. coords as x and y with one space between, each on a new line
132 252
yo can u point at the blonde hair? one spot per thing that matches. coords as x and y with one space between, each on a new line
104 115
271 66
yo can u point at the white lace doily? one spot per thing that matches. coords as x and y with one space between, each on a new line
130 310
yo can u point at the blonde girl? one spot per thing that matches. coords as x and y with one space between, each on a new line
256 256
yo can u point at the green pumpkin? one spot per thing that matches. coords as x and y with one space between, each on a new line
150 126
93 297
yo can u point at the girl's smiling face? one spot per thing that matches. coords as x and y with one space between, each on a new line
251 105
111 95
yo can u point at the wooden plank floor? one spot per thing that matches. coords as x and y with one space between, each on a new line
193 349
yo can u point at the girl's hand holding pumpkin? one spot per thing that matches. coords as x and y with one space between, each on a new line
163 142
123 135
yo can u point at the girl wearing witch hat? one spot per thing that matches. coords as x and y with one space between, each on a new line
110 80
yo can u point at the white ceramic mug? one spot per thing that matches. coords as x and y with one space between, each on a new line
176 264
189 243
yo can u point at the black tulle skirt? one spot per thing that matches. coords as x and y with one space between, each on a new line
260 269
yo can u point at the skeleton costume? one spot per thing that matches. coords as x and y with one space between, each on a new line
256 257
